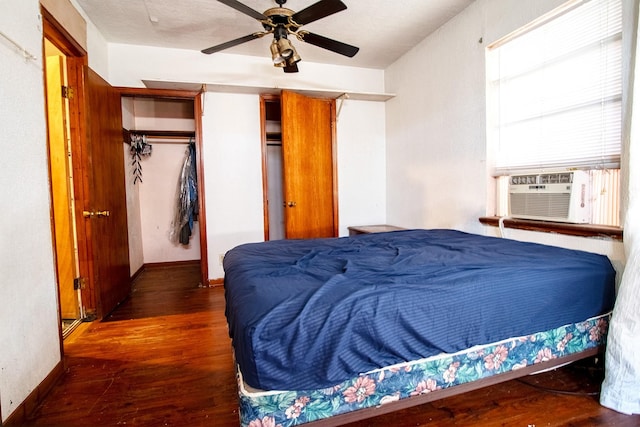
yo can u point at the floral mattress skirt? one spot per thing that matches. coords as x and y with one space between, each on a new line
286 408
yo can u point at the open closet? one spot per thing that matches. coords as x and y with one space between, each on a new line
160 158
299 166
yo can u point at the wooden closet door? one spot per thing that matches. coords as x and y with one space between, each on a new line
105 197
308 162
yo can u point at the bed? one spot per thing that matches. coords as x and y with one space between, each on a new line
327 331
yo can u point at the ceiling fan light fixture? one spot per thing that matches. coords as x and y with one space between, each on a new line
294 58
276 57
285 47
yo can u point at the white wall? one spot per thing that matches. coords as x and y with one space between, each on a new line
130 64
231 136
233 173
361 164
29 330
134 226
437 172
97 54
436 125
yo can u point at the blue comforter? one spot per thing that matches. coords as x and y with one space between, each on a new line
308 314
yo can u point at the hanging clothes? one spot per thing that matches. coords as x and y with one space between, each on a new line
139 148
187 199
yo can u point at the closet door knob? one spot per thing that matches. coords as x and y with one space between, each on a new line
99 214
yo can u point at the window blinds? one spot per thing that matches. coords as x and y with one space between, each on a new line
558 91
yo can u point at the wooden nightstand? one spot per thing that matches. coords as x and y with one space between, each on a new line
368 229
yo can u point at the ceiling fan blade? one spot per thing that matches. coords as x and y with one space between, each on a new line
293 68
329 44
231 43
244 9
317 11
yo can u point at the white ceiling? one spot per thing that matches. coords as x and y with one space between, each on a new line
383 29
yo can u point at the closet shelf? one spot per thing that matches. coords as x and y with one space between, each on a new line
274 136
165 133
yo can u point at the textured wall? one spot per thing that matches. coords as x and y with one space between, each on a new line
29 327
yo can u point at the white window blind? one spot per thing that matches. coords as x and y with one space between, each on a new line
557 91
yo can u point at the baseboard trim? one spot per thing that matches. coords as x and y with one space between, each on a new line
213 283
169 264
20 416
138 272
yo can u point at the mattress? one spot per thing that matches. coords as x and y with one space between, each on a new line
310 314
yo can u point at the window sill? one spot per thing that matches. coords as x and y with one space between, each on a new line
582 230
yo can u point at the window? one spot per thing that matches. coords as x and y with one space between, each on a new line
555 100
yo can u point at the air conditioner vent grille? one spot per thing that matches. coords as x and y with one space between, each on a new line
552 196
545 205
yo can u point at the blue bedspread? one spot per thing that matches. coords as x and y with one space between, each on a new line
308 314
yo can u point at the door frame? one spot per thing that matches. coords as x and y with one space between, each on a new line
264 99
196 97
76 60
61 189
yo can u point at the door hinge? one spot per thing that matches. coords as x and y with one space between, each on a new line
79 283
67 92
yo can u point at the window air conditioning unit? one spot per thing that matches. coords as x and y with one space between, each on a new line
561 196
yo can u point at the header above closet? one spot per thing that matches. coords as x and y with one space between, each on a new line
261 90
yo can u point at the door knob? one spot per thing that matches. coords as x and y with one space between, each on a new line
292 204
99 214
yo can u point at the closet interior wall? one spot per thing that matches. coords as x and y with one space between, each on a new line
152 201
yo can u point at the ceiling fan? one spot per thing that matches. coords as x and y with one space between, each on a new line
282 23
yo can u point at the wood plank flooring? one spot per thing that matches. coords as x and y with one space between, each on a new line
163 358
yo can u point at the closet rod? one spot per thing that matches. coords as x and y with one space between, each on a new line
166 134
182 137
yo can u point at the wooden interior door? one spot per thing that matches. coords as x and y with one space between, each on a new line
105 209
61 188
309 180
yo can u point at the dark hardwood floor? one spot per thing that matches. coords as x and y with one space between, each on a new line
163 358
